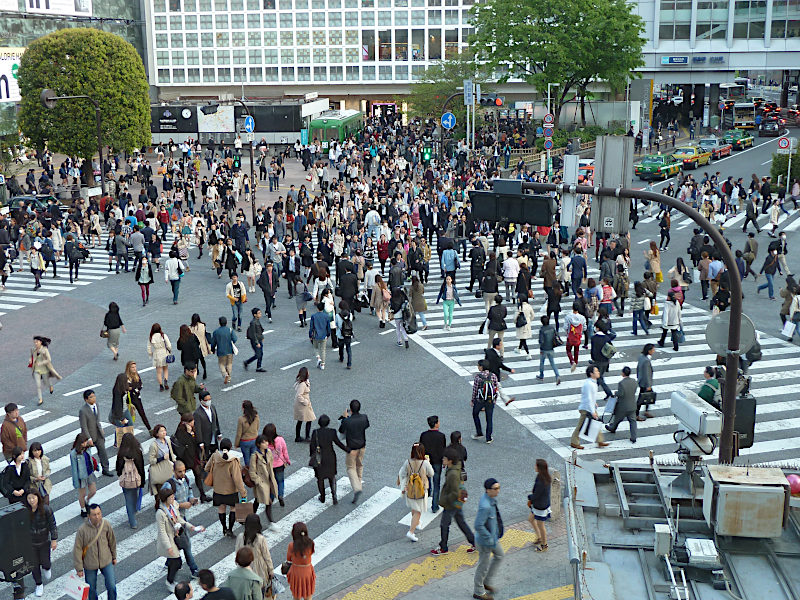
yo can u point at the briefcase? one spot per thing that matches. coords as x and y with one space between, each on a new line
242 509
646 398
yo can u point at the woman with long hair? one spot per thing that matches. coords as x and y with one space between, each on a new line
113 327
198 328
126 399
265 488
189 346
262 560
161 458
158 348
302 578
417 464
539 503
280 456
44 537
653 256
40 470
381 295
16 477
83 466
187 449
323 456
41 365
303 411
130 470
247 431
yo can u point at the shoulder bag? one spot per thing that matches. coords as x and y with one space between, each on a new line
96 537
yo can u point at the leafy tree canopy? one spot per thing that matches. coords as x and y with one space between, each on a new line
83 61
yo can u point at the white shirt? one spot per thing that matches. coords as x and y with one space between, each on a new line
510 268
589 396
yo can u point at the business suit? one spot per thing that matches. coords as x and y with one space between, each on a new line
626 407
644 376
89 418
207 431
269 282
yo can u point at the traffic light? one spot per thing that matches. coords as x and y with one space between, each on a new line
492 100
237 161
426 153
508 202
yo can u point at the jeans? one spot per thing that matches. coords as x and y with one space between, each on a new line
549 355
769 285
247 448
447 307
279 479
402 336
639 318
576 285
131 496
489 558
320 348
422 318
176 288
108 576
488 407
236 312
344 344
447 516
258 353
603 368
435 483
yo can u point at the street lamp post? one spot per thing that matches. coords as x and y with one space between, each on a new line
49 100
549 85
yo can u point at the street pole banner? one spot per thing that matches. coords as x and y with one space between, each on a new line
9 64
75 8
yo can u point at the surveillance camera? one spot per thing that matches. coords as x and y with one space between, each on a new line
695 414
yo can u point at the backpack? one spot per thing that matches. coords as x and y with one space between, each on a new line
415 487
130 477
75 253
487 390
347 327
574 334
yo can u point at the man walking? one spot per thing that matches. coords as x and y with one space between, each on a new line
92 428
434 442
184 389
485 389
237 295
222 344
451 501
587 407
95 550
626 404
269 282
353 426
206 425
255 333
488 531
319 330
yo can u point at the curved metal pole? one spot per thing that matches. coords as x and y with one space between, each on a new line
252 167
732 358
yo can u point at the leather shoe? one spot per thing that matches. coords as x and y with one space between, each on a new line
108 473
577 446
602 444
485 596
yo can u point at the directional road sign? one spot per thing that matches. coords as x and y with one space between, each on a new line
249 124
448 120
548 144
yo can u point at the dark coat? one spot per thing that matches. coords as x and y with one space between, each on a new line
497 317
185 446
264 283
206 431
325 438
190 350
626 396
348 285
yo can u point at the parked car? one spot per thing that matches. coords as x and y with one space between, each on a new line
716 146
657 166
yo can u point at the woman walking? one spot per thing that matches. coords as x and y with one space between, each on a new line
553 302
189 346
413 481
187 449
41 365
251 268
130 471
171 530
523 323
539 503
113 328
671 321
161 458
323 457
769 268
301 576
682 274
159 349
449 296
640 307
44 538
303 411
397 304
39 465
262 566
247 431
419 304
225 475
82 467
381 295
126 397
265 488
198 328
144 277
653 263
621 284
36 261
299 289
242 581
16 477
280 456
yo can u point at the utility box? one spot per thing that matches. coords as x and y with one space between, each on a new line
613 168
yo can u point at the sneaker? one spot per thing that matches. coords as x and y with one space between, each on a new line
400 344
39 590
322 366
270 319
245 365
272 526
170 586
319 362
572 367
489 441
438 551
471 549
412 537
475 436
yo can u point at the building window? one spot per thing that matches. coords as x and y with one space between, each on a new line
205 5
209 76
335 19
206 22
224 74
303 56
162 59
350 37
401 44
221 5
401 3
269 4
367 19
270 21
255 74
434 17
207 40
450 43
418 17
178 76
160 23
384 18
194 76
303 38
177 58
287 39
253 20
675 19
223 39
176 23
320 55
221 21
191 21
159 6
223 57
318 4
162 41
785 19
384 3
253 5
319 38
237 21
401 17
176 39
367 3
208 57
270 56
320 73
287 74
435 44
253 38
239 57
418 72
287 56
255 57
318 19
351 55
301 4
336 74
286 21
163 76
401 73
237 37
285 4
451 17
191 40
192 57
237 5
335 37
303 73
351 19
240 74
270 73
385 73
385 45
368 74
301 19
367 45
417 44
749 19
336 55
352 73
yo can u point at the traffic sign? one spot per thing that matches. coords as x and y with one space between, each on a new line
448 120
249 124
721 105
548 132
469 92
548 144
548 118
251 137
783 142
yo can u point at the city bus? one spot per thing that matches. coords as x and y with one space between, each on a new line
336 125
730 93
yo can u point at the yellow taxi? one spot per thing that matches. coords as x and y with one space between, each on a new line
692 156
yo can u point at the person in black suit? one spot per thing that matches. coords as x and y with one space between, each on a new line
206 425
325 463
435 442
348 287
494 356
269 282
90 425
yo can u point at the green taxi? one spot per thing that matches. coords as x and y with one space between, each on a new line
657 166
739 139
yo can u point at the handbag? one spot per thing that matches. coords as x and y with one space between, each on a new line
557 341
76 588
246 479
316 458
170 359
591 429
242 509
646 398
479 294
482 327
120 431
608 350
521 320
235 349
788 329
307 297
678 335
654 309
687 277
104 333
285 567
209 480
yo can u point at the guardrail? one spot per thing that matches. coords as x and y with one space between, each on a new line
535 157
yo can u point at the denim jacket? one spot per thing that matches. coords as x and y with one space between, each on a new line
488 523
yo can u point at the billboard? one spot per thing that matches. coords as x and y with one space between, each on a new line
9 5
9 63
219 122
76 8
173 119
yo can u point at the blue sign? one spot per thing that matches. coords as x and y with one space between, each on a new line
548 144
448 120
674 60
304 137
539 131
249 124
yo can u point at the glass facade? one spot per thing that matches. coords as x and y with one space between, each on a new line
337 41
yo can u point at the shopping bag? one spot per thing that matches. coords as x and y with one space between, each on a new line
609 409
543 309
242 509
76 588
788 329
120 431
696 273
590 430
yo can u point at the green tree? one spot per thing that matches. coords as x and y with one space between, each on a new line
780 163
90 62
439 81
568 42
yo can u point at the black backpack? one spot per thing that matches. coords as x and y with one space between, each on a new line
347 327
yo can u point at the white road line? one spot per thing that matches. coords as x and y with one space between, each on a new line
34 414
78 391
146 370
766 162
295 364
388 331
166 410
233 387
43 430
427 517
